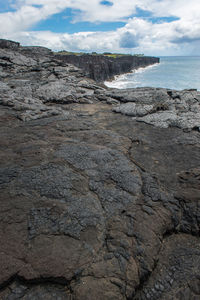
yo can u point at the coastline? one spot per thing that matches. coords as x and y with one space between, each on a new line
101 68
120 77
85 172
171 73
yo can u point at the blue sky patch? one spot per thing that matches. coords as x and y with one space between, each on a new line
148 15
107 3
63 23
5 7
163 19
37 5
141 13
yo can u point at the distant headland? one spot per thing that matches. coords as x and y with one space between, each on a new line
101 67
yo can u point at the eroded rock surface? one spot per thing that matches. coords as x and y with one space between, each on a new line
32 80
94 204
161 107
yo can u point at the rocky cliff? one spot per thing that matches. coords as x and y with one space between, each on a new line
101 68
100 188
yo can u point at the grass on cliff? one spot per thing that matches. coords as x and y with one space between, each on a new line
107 54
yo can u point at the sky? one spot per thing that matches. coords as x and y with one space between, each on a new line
150 27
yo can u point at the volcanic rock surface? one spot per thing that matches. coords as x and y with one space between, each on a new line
95 204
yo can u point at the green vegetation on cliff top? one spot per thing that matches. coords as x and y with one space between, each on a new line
108 54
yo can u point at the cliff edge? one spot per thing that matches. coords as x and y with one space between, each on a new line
101 67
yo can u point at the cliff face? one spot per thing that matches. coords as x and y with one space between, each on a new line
96 67
100 188
6 44
101 68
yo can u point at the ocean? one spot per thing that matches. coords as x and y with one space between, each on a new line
173 72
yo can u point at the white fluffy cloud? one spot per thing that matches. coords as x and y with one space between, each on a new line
138 34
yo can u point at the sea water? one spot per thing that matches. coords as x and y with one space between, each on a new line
172 72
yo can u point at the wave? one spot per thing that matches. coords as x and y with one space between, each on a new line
143 69
124 81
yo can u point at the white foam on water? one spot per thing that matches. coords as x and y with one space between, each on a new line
116 83
143 69
123 81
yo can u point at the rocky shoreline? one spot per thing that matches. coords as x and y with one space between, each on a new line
101 68
100 188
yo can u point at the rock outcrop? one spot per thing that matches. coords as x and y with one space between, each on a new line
161 107
95 204
101 68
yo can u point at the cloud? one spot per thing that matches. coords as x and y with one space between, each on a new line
153 27
83 41
185 40
26 16
94 11
128 40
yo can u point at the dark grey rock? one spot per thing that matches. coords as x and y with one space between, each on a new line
9 44
101 68
94 204
161 107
